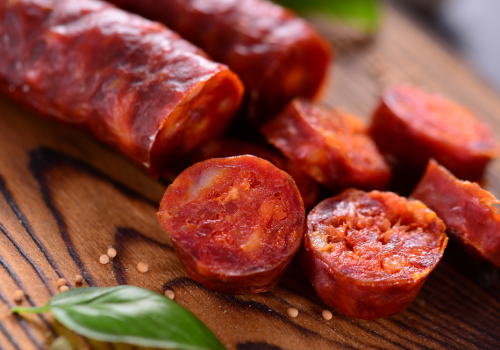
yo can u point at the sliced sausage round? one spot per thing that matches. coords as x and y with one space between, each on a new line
412 126
235 223
368 254
466 209
330 145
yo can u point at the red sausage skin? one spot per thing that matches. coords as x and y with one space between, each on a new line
330 145
309 189
277 55
466 209
132 83
413 126
368 254
235 223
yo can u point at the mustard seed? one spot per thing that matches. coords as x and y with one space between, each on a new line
112 252
292 312
170 294
78 279
142 267
18 296
63 288
104 259
61 282
327 315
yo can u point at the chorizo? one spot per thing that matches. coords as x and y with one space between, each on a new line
132 83
277 55
235 223
412 126
467 210
328 144
368 254
308 188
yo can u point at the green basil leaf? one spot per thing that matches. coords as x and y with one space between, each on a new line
364 14
132 315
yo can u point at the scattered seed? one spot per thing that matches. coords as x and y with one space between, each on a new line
111 252
18 296
104 259
292 312
78 279
142 267
62 282
63 288
170 294
327 315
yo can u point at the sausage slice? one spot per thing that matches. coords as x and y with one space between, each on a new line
330 145
368 254
412 126
235 223
466 209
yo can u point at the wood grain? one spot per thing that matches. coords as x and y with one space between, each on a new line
64 199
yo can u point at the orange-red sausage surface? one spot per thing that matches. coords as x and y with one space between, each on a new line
330 145
413 126
235 223
466 209
368 254
132 83
309 189
276 54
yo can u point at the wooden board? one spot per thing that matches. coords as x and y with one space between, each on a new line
64 199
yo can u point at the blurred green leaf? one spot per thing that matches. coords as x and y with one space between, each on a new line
131 315
364 14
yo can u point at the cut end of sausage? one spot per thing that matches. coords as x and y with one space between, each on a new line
235 223
202 115
368 254
329 145
467 210
413 126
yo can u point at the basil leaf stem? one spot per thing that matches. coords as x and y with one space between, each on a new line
129 314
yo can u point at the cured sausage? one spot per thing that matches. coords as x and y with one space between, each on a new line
466 209
276 54
413 126
235 223
309 189
132 83
368 254
330 145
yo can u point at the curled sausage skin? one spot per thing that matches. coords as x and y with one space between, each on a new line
466 209
413 126
330 145
132 83
277 55
368 254
309 189
235 223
